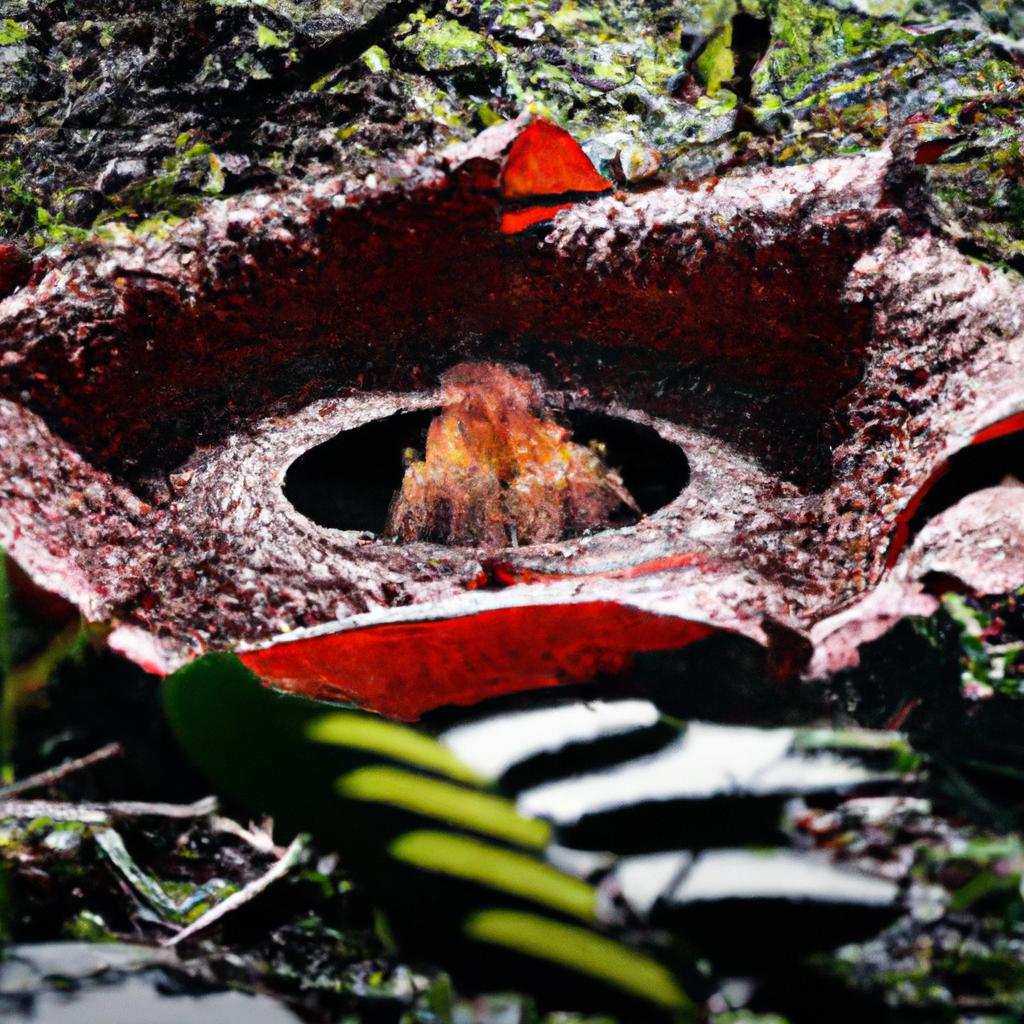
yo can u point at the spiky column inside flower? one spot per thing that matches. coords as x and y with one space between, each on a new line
499 471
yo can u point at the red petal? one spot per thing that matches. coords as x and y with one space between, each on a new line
1011 425
514 221
404 669
901 533
546 161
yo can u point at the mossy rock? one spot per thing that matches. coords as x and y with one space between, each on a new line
132 115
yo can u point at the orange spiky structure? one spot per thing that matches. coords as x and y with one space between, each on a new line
498 472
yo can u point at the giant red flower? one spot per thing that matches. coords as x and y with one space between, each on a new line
195 430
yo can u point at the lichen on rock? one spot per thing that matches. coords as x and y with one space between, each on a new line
104 108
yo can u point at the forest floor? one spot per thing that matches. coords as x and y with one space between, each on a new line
115 883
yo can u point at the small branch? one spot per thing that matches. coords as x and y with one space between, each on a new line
256 837
278 870
142 809
26 810
62 771
102 814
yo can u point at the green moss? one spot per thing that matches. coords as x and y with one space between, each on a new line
837 77
192 901
192 173
268 39
980 203
722 102
601 70
88 927
253 68
180 892
18 205
376 59
717 64
838 80
54 231
428 102
122 223
811 39
487 115
442 44
12 32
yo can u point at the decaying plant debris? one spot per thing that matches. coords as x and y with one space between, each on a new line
308 937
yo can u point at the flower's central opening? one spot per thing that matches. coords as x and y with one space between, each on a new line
502 462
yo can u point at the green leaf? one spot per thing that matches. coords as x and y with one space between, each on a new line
499 868
366 785
364 732
247 738
579 950
455 805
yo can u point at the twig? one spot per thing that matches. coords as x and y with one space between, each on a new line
102 814
255 836
142 809
26 810
62 771
278 870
